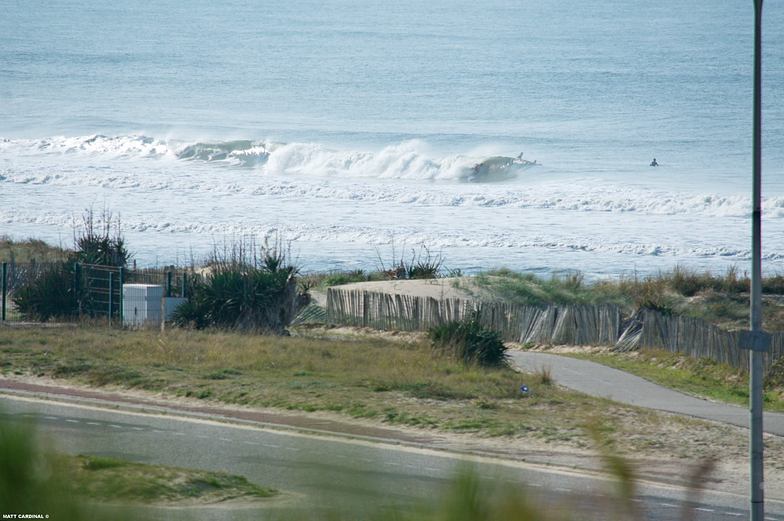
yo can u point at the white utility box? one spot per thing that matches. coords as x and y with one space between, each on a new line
142 304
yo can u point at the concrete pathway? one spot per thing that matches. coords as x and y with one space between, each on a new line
605 382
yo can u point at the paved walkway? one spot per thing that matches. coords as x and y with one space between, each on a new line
605 382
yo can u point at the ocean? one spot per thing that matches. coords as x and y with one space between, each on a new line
360 131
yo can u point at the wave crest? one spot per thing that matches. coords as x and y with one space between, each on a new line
407 160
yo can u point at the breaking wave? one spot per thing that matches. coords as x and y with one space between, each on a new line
407 160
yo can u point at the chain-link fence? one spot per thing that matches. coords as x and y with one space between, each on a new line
62 291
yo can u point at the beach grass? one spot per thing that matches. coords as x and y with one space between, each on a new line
29 250
722 299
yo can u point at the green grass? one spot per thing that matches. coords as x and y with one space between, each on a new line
700 377
721 299
108 479
372 379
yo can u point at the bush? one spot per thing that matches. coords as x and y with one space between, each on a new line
247 288
96 242
469 342
423 264
47 294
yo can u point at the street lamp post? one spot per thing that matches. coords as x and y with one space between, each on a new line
758 337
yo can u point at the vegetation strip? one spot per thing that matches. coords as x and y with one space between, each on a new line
719 299
398 383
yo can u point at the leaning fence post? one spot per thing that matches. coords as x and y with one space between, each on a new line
77 305
111 290
5 286
121 302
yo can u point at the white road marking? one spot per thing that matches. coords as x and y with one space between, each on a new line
736 514
94 423
115 426
50 417
700 509
561 489
137 428
293 449
250 442
178 433
227 440
536 485
393 464
271 445
667 505
72 421
431 469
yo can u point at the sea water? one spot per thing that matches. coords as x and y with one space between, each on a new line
362 130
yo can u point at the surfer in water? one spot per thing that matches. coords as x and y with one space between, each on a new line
654 163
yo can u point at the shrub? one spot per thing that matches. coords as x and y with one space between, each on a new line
47 294
469 342
100 242
423 264
247 288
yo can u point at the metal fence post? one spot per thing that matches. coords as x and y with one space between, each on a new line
184 283
77 305
121 302
5 286
111 290
168 283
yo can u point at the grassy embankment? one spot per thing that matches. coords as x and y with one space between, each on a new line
372 379
699 377
30 249
719 299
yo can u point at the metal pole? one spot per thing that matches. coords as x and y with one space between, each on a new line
5 287
122 300
77 304
757 506
111 290
168 283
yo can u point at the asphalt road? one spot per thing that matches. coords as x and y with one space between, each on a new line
331 473
605 382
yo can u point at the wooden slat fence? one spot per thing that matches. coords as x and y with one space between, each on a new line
552 325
